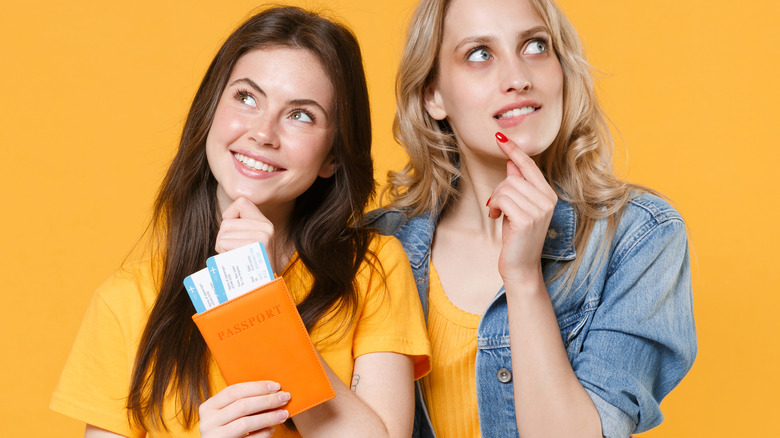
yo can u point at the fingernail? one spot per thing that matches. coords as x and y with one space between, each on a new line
282 415
501 137
284 396
488 203
273 386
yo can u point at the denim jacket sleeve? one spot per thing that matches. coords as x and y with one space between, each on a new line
642 339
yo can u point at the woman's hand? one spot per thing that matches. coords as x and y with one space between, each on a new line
549 399
527 202
244 409
242 224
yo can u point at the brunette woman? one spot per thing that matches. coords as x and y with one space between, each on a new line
275 149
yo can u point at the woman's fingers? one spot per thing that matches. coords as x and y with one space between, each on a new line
524 182
241 390
254 230
527 202
514 195
524 165
242 208
242 224
262 424
518 190
251 407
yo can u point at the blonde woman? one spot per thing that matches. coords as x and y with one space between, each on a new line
558 297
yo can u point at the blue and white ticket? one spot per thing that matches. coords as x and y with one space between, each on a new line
239 271
201 290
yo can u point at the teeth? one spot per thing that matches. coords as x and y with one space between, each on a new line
254 164
517 112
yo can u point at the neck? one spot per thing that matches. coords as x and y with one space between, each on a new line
283 247
476 184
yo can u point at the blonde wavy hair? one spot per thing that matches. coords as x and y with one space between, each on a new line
578 164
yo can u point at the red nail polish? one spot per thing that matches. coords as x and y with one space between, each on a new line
488 203
501 137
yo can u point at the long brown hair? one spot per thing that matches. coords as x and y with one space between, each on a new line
172 358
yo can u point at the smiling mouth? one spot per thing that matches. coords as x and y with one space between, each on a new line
254 164
516 112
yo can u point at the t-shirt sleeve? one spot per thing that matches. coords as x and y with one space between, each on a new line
391 318
94 384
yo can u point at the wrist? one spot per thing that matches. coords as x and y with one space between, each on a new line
525 281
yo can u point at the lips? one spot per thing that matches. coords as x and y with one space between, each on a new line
515 112
254 164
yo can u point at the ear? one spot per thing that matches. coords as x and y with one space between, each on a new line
434 104
328 167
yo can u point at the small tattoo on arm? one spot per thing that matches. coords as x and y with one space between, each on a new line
355 381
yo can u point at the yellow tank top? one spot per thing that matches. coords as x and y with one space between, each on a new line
450 390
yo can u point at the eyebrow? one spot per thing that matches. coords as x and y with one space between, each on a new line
294 102
487 39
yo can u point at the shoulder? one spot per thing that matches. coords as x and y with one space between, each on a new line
385 221
648 224
387 250
650 207
131 289
647 213
383 243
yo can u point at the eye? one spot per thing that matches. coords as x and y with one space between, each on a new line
536 47
302 116
245 98
479 54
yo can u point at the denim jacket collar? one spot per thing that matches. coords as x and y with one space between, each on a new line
559 243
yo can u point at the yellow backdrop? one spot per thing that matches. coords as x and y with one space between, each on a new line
93 95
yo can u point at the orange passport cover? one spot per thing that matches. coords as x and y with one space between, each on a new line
260 336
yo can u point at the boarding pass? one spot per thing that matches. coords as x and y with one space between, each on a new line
229 275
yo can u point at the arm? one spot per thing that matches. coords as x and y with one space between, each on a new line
646 314
94 382
391 349
382 373
382 383
549 399
96 432
382 404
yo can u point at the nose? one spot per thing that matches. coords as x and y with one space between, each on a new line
515 76
263 130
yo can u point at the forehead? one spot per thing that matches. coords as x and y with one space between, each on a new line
288 72
465 18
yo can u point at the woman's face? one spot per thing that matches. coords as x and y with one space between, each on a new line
497 72
272 132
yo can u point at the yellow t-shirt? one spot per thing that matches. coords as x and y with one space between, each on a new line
94 384
450 390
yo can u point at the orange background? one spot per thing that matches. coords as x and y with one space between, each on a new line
93 95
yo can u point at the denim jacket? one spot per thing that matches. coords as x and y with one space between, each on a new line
627 322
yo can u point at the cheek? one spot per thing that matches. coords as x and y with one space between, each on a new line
226 127
460 92
555 78
224 131
312 150
319 152
552 84
468 95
